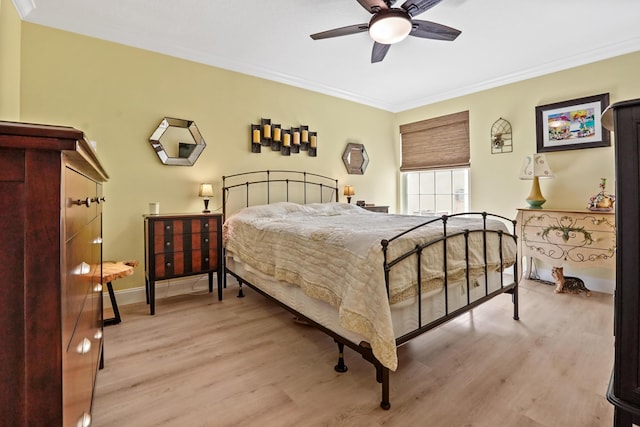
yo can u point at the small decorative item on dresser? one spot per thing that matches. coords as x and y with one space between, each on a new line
602 201
349 192
535 166
206 191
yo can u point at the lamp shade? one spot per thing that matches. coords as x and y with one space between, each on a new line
349 191
206 190
535 165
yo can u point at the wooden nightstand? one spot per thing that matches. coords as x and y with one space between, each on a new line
382 209
182 245
579 238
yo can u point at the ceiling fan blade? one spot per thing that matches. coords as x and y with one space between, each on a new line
416 7
343 31
374 6
379 52
432 30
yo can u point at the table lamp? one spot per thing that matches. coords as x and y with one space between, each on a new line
206 191
535 166
349 191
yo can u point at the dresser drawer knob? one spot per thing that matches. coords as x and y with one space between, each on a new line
81 269
167 227
206 225
206 260
97 288
206 240
168 264
84 420
167 243
86 202
84 347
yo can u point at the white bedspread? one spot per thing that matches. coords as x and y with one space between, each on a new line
332 251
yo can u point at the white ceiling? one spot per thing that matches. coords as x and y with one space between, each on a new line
502 41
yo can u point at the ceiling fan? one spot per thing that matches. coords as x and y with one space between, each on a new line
391 25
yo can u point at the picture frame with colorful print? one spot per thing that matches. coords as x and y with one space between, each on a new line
572 125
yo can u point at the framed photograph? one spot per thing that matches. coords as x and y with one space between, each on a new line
572 125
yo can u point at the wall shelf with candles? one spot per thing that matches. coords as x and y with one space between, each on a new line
287 141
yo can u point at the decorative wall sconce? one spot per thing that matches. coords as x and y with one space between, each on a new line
501 141
313 144
287 141
206 191
276 137
256 139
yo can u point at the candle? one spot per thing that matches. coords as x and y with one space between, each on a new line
276 134
314 141
287 139
267 131
296 138
256 136
305 135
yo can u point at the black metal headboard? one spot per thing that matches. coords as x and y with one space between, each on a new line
270 186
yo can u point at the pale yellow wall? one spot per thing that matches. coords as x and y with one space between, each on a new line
117 95
10 26
495 186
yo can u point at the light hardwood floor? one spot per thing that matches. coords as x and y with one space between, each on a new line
244 362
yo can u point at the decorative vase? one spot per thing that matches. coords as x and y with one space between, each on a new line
602 201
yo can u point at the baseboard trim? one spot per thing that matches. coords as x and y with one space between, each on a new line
164 288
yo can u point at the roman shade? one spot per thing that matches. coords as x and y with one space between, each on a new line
438 143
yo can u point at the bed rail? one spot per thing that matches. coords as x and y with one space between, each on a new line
417 254
326 188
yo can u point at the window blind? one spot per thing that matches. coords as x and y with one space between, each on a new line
438 143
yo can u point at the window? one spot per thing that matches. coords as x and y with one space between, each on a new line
440 191
435 165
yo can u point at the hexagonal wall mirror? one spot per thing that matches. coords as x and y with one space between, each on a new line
177 142
355 158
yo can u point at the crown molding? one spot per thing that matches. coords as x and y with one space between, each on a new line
24 7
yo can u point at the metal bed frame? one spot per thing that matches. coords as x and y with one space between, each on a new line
414 255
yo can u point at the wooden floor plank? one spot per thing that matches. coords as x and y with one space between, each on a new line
245 362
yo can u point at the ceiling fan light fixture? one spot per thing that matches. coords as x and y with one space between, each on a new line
390 26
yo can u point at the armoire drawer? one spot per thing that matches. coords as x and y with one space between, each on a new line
80 203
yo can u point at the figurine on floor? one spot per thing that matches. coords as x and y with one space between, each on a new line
568 284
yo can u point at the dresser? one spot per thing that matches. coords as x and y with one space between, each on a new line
182 245
624 389
567 237
50 260
379 209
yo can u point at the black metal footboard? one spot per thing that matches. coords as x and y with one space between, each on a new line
419 255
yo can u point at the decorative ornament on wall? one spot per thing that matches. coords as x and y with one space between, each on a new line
177 142
355 158
501 138
288 141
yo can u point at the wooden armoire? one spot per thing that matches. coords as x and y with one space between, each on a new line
624 389
50 270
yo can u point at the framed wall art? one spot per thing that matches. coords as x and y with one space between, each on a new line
572 125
